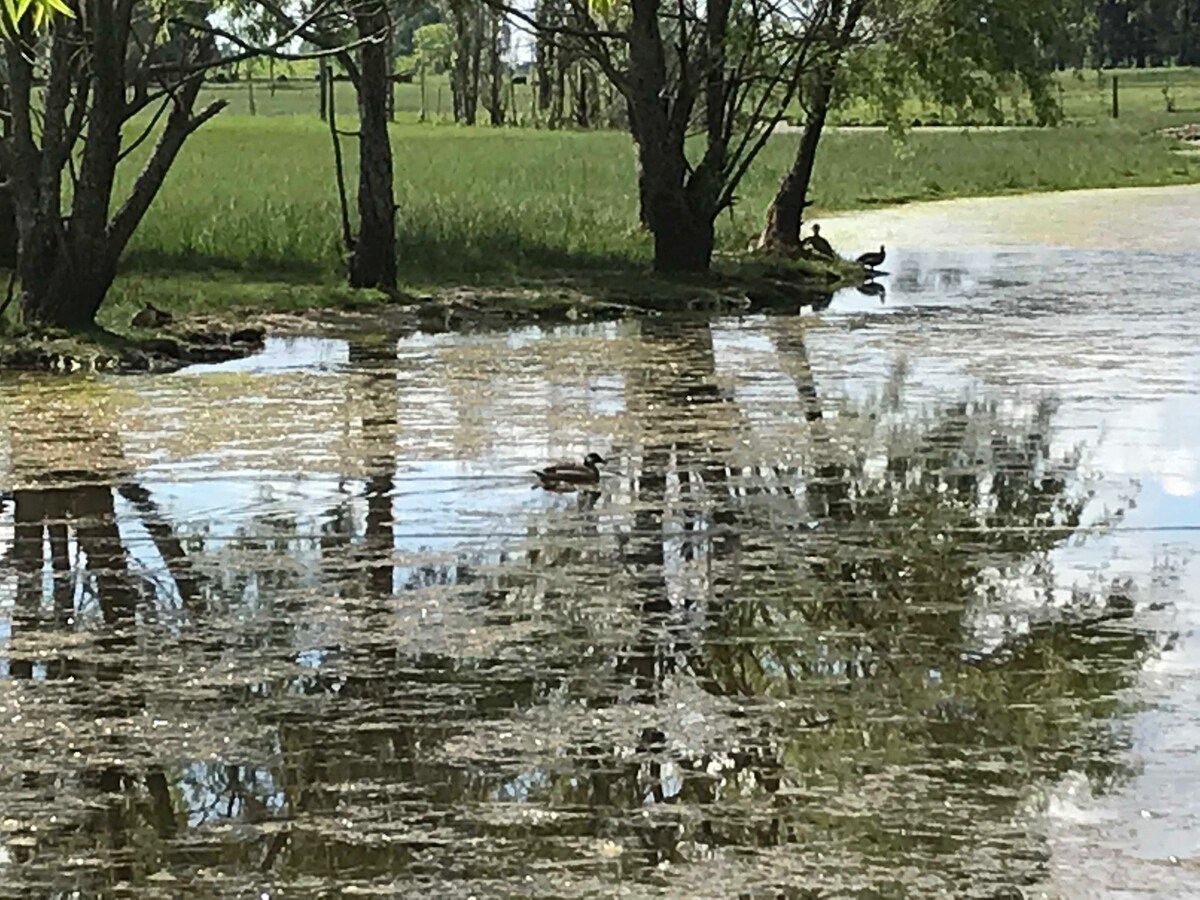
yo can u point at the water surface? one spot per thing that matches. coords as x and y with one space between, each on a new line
893 600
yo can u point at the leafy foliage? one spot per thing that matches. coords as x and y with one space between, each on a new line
14 12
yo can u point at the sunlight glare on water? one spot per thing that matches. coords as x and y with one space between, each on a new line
896 599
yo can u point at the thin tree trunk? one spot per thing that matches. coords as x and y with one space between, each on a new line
8 228
8 216
322 86
785 215
373 261
544 58
558 90
786 212
495 74
582 112
476 65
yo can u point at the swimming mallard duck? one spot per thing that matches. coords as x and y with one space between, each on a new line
818 244
568 476
873 260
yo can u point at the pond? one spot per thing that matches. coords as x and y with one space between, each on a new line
895 599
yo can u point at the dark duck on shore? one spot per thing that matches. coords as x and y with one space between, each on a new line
150 316
818 244
873 260
569 476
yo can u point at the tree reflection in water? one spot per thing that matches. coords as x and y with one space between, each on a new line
717 678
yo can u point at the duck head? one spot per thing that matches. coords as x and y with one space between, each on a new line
594 459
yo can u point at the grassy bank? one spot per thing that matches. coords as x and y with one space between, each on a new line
256 195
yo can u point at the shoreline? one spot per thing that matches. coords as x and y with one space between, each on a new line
249 311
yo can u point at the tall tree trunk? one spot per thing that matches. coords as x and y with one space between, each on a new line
495 72
679 215
683 234
544 57
464 77
8 216
476 64
373 260
786 212
322 84
8 228
558 89
582 111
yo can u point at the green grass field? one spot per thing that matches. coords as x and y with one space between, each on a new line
250 209
257 194
1148 98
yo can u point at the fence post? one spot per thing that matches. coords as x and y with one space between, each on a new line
1116 107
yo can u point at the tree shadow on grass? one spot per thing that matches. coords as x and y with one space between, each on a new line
150 261
495 267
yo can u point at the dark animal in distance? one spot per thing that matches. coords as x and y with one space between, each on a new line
818 244
569 476
151 316
873 260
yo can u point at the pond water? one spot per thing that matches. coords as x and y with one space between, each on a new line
897 599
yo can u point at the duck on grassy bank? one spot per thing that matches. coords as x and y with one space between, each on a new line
570 476
873 260
818 244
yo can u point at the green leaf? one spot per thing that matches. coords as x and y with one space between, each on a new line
58 6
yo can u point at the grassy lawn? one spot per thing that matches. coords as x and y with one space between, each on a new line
1148 98
249 212
257 194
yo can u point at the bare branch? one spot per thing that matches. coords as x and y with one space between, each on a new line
180 124
154 120
592 32
252 51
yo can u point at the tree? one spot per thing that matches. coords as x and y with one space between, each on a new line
67 262
721 69
116 63
784 215
433 46
339 28
466 19
961 53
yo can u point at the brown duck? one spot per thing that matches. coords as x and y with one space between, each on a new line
569 476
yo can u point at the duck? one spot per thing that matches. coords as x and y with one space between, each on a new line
150 316
568 476
873 260
818 244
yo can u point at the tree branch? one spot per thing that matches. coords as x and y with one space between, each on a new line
253 51
180 124
141 138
